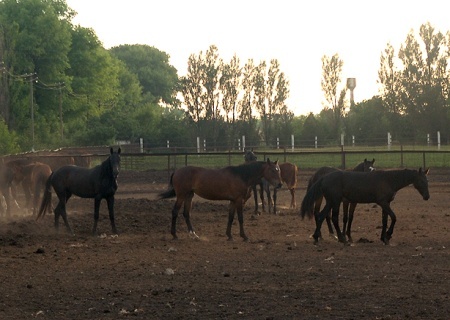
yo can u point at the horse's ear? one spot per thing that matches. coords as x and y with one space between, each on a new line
118 151
365 160
373 160
268 160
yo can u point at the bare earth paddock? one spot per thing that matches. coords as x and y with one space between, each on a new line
278 274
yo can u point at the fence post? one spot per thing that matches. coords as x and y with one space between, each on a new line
342 157
423 160
401 156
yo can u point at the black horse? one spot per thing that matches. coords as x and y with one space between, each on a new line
99 183
348 208
377 187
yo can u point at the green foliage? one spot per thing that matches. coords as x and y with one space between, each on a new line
8 140
157 77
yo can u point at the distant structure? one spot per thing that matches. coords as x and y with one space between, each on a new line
351 85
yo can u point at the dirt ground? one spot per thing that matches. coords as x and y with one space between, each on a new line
279 274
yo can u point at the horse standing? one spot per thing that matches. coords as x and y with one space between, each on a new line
6 182
230 183
377 187
289 173
348 208
39 176
250 156
99 183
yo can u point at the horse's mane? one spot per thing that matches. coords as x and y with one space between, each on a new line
247 171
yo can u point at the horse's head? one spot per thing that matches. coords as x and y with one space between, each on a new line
250 156
365 166
114 161
368 165
272 173
421 183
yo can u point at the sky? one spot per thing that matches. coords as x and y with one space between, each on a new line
296 33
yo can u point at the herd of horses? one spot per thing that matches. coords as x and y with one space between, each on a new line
236 184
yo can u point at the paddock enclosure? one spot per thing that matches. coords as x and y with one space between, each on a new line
278 274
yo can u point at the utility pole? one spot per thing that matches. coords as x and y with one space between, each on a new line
32 78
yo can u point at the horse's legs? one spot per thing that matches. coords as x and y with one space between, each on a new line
275 200
386 236
231 211
5 191
187 216
319 217
175 210
317 205
270 204
261 195
110 203
350 220
239 210
293 202
335 218
255 196
62 212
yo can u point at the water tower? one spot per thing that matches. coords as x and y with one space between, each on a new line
351 84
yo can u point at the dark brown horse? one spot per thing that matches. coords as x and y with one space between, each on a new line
289 173
230 183
250 156
376 186
99 183
348 208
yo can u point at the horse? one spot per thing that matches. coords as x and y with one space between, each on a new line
39 175
230 183
378 187
348 208
6 182
99 183
21 169
289 173
250 156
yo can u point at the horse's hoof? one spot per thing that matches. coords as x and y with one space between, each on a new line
193 235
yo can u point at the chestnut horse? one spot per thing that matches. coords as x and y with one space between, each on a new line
230 183
378 187
289 177
39 176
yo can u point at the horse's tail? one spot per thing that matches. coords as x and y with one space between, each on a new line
46 198
313 193
170 193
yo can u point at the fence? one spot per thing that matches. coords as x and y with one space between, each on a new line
303 159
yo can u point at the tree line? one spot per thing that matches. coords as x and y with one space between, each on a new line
60 87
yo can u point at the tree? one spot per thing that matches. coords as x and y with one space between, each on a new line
331 79
36 39
158 78
230 85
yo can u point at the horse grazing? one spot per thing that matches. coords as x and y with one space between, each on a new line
348 208
230 183
99 183
289 177
377 187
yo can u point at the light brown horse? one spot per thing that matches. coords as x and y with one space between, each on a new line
348 208
289 177
230 183
39 175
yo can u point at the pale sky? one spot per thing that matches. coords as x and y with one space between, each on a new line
296 33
